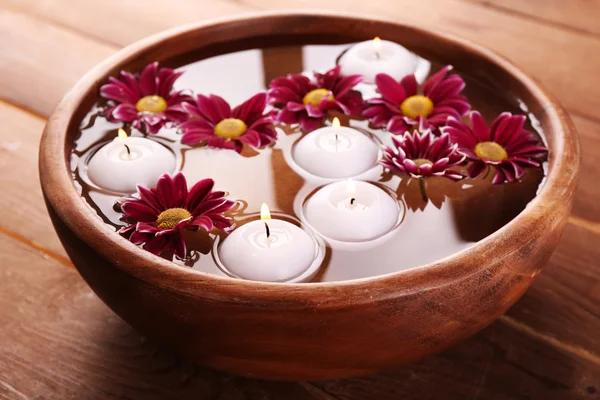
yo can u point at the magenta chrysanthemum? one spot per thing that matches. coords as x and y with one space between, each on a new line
403 104
215 124
420 155
505 145
146 101
305 101
159 216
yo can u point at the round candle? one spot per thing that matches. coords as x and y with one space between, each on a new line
270 250
126 162
351 211
381 56
336 152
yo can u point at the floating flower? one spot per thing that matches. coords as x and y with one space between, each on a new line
159 216
215 124
403 104
146 101
305 101
421 155
506 145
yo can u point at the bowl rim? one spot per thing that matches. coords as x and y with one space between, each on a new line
60 192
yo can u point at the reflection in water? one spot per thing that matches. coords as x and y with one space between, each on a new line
454 216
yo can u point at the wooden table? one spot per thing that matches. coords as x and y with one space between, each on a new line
57 340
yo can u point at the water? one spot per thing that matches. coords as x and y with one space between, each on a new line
456 216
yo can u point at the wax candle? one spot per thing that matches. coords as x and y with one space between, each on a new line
336 152
126 162
382 56
271 250
350 211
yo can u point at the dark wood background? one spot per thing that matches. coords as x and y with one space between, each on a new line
58 341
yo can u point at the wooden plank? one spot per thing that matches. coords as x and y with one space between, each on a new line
564 302
586 203
122 22
498 364
59 341
39 61
569 73
24 213
51 79
579 15
77 348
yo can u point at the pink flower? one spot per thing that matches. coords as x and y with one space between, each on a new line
305 101
420 155
159 216
214 123
403 104
506 145
146 101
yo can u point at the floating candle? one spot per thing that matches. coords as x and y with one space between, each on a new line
271 250
336 152
126 162
351 211
381 56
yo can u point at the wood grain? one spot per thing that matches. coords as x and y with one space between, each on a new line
41 61
498 364
530 44
564 302
121 22
403 318
78 349
108 360
578 15
586 203
61 342
24 214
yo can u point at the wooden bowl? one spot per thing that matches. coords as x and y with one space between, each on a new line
314 330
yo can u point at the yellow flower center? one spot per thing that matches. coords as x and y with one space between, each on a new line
169 218
490 151
153 104
314 97
230 128
422 161
415 106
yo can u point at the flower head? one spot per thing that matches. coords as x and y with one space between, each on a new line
305 101
421 155
146 101
505 145
217 125
159 216
403 104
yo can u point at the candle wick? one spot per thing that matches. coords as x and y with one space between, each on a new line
268 231
352 200
128 150
336 142
377 56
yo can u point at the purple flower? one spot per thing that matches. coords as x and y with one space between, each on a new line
214 123
146 101
158 217
506 145
421 155
305 101
403 104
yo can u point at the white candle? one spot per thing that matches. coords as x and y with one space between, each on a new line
352 211
270 250
126 162
336 152
381 56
